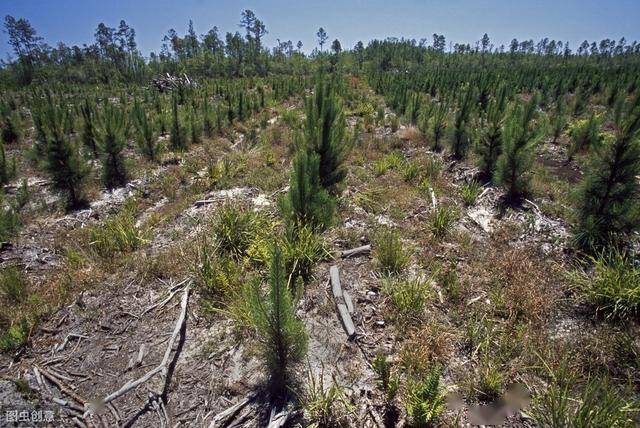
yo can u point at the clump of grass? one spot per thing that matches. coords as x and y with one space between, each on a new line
469 191
432 168
325 407
119 234
234 230
410 171
409 296
302 249
389 252
447 277
612 284
218 277
12 285
441 220
425 399
394 122
391 161
598 404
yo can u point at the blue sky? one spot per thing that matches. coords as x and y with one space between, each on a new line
74 21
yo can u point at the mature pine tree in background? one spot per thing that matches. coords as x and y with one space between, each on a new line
63 161
281 334
609 201
520 136
490 142
325 130
112 142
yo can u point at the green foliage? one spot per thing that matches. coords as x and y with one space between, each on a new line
307 202
63 162
177 138
9 219
218 276
12 285
585 134
611 282
387 382
89 137
112 143
409 296
437 125
195 129
410 170
559 120
325 129
469 190
302 249
389 252
442 219
11 127
460 133
7 169
520 136
608 203
596 404
280 333
326 407
425 399
234 230
147 138
490 143
118 234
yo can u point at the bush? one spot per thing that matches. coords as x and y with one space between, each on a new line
441 220
425 399
389 252
612 283
12 285
119 234
234 230
281 334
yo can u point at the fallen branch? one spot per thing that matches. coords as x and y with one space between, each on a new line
173 291
365 249
62 386
163 366
231 411
338 296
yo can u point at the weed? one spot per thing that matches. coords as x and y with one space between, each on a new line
470 191
233 229
325 407
387 381
441 220
12 285
425 399
119 234
389 252
409 296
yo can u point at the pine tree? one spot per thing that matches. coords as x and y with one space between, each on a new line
438 124
609 201
146 138
207 118
281 334
177 140
195 131
63 161
490 142
307 202
88 129
520 136
559 121
325 134
460 135
112 142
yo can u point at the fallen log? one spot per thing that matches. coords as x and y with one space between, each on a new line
365 249
338 296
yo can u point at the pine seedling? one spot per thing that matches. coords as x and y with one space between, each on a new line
112 142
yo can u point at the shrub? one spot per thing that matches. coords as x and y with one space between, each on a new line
470 191
302 249
119 233
12 284
425 399
389 252
233 230
585 134
281 334
612 284
441 220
